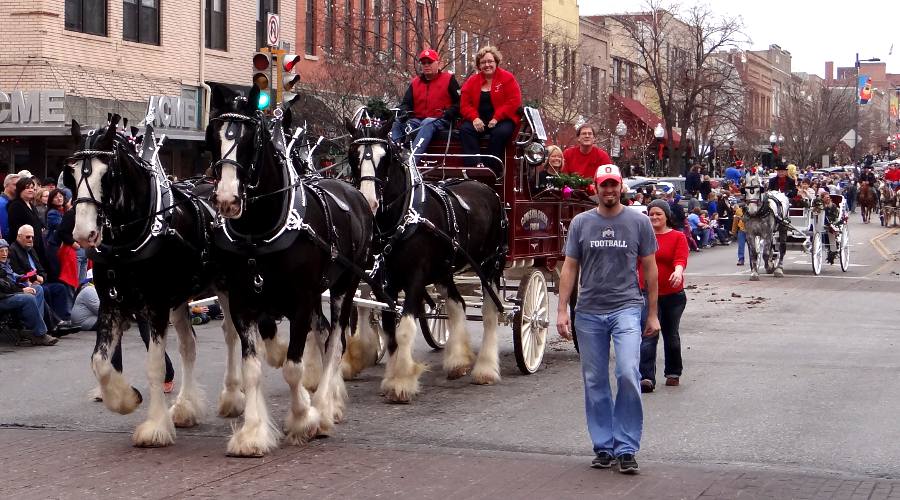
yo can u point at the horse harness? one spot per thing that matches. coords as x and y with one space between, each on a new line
414 199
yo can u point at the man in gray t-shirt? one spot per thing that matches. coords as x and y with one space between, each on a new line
605 246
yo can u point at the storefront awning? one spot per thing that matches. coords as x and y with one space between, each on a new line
639 113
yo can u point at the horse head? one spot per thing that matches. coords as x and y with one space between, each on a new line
234 138
370 155
104 177
754 194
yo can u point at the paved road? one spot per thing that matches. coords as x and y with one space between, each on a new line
787 383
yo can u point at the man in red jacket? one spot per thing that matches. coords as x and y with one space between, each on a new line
431 103
584 158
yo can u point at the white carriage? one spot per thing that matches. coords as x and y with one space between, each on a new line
807 233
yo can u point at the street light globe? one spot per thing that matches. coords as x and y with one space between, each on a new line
773 138
780 139
689 134
621 129
659 132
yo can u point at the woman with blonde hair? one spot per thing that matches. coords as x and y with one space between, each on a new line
489 104
553 165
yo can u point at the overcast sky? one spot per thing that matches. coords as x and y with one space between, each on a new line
813 32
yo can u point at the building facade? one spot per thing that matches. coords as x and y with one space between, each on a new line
81 59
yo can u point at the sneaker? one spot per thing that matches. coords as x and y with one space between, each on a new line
646 385
168 387
672 381
45 339
196 320
627 464
740 263
603 460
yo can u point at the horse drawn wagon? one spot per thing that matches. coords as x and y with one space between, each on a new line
538 218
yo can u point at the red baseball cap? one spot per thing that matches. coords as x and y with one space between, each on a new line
429 54
606 172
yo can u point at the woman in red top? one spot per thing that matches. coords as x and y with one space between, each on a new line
671 260
489 103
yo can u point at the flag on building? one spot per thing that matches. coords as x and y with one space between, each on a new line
864 89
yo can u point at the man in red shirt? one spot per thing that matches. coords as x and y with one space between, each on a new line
584 158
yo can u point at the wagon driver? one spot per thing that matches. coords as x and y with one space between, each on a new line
782 182
603 248
431 103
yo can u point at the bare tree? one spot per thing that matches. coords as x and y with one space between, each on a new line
677 58
814 123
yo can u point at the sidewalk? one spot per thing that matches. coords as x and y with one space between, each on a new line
40 464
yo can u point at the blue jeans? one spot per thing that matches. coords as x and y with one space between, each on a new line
59 298
615 427
742 242
30 309
427 128
82 264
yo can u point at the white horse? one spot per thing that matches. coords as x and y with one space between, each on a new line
767 212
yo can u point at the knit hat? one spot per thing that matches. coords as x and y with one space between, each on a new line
3 243
662 205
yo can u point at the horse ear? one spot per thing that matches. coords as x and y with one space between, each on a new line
386 126
76 133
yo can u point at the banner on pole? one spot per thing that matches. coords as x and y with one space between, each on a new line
864 89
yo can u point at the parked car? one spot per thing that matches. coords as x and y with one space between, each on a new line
642 183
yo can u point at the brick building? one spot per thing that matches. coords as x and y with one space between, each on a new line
80 59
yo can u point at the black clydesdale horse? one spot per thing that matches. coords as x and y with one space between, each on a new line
149 240
283 240
425 232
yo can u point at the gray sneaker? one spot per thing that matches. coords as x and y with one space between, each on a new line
627 464
603 460
44 339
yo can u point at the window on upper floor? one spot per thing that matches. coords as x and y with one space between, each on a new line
86 16
140 21
263 8
329 26
378 20
309 42
348 29
216 24
363 30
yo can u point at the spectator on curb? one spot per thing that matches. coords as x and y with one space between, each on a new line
671 261
603 249
21 212
9 194
23 259
27 301
738 230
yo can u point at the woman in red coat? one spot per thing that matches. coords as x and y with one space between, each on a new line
489 104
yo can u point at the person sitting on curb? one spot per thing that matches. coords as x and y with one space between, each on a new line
25 300
24 260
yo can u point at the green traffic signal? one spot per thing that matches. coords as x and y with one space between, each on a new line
262 102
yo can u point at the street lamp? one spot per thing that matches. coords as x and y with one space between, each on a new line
857 104
688 147
660 133
621 130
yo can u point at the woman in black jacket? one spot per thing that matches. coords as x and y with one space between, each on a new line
21 212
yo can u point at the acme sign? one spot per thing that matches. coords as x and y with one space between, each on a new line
39 107
173 112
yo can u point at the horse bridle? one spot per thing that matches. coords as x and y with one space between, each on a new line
87 169
233 121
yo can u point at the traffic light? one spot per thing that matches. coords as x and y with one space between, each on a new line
288 77
262 69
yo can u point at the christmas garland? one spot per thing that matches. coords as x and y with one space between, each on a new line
574 181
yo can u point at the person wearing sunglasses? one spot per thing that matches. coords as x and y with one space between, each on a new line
24 260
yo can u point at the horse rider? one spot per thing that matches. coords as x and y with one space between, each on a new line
833 223
431 103
782 182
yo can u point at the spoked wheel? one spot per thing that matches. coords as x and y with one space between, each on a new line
817 253
845 247
531 322
434 324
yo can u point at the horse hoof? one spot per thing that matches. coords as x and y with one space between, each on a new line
754 277
779 273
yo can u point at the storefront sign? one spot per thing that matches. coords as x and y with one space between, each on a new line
39 107
173 112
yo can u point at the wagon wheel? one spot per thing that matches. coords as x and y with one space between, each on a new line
845 247
434 324
816 253
531 322
382 347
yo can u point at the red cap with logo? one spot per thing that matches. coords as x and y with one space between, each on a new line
607 172
429 54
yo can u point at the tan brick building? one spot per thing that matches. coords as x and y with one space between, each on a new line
65 59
